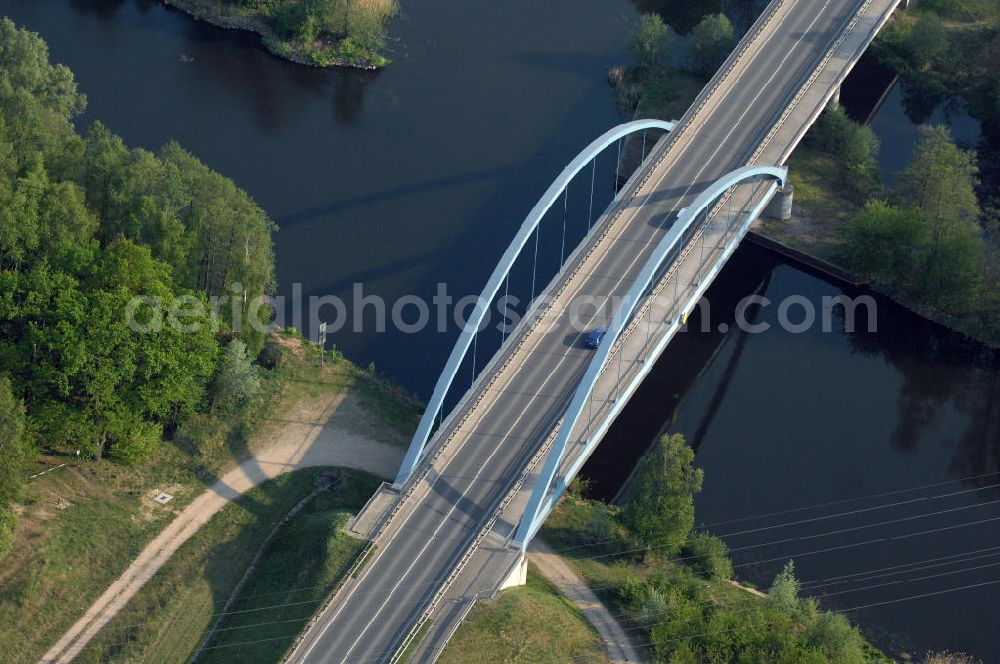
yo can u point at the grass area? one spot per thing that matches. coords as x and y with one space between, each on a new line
568 528
166 620
82 525
663 601
322 33
823 205
529 624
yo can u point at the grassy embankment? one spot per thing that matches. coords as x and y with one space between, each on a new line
323 33
167 620
679 607
529 624
823 205
82 525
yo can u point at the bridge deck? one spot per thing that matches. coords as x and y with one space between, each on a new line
515 407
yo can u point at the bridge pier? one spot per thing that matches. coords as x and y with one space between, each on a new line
518 574
780 207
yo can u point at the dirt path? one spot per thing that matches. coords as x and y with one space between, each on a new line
310 437
568 582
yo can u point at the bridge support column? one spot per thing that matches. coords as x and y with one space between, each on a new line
780 207
518 575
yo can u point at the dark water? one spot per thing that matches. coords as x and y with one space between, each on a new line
420 174
782 421
400 179
872 94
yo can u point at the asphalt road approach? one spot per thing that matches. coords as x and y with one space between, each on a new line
369 620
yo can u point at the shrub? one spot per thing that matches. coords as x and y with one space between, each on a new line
708 556
856 146
784 592
237 380
133 438
270 357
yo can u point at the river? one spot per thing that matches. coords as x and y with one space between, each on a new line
882 428
420 174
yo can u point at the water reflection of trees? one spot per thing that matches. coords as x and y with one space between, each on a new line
102 9
682 16
349 89
939 367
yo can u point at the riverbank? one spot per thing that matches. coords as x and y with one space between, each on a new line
835 176
82 526
301 41
681 608
823 207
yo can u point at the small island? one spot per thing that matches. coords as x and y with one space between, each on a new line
320 33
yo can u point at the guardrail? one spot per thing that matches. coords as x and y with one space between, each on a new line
511 492
791 106
454 422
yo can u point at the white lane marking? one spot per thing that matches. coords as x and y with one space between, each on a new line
635 211
687 191
444 520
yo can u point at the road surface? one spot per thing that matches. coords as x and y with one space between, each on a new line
367 622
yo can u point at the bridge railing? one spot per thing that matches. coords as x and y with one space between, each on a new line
692 224
501 277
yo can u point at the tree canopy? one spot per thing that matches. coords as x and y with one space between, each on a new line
711 42
651 41
108 256
659 511
931 243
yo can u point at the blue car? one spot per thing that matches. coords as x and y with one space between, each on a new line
593 338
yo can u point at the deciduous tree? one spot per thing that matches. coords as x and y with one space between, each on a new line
711 41
651 41
659 511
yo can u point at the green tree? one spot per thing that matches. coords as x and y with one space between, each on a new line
651 41
659 511
13 454
927 41
784 592
104 160
887 243
711 42
940 183
238 378
37 99
941 179
855 145
709 555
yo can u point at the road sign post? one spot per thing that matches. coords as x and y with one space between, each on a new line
322 342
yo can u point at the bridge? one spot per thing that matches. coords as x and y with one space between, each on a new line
479 480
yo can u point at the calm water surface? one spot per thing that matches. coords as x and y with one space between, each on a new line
398 179
419 174
785 421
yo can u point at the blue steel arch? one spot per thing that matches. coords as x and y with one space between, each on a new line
536 512
531 222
